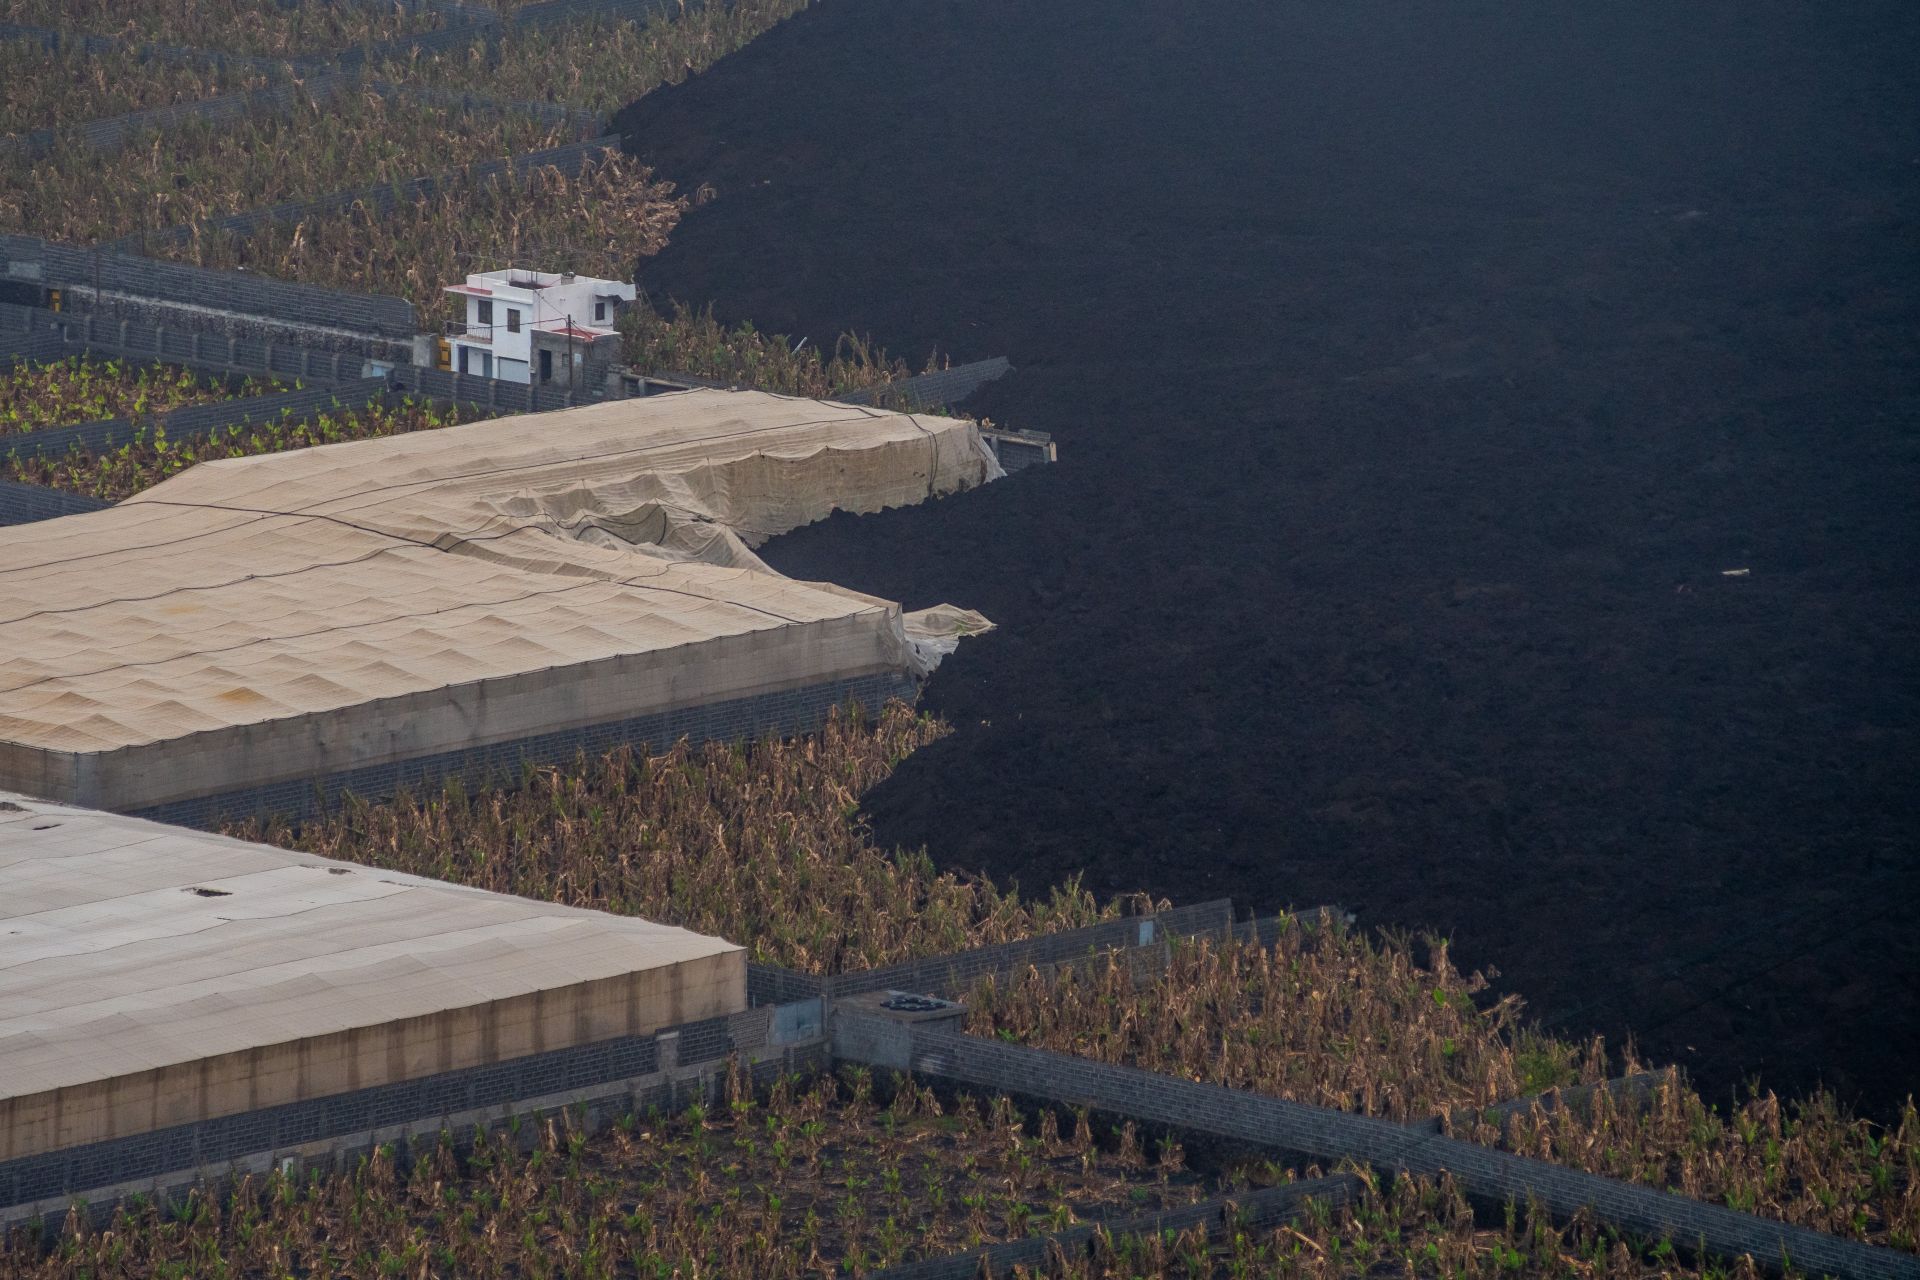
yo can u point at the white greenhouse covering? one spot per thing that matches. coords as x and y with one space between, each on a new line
153 976
261 622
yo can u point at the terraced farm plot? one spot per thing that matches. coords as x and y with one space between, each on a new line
1324 1017
1402 1227
79 389
810 1178
121 472
762 843
40 88
257 27
1336 1019
1809 1162
604 62
597 219
823 1178
197 170
752 841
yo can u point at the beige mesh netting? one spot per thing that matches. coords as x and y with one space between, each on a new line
468 585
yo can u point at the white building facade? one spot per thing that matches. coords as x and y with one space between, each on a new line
532 326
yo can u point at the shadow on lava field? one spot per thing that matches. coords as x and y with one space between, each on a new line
1420 376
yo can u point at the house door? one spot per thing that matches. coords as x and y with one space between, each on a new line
463 358
546 366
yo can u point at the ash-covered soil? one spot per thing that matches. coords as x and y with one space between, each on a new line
1421 372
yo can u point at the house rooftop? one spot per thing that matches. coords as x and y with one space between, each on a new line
578 332
486 284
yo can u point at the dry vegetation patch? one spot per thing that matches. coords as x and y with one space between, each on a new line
1339 1019
602 62
264 28
817 1178
1324 1016
1398 1227
758 842
597 219
40 88
811 1178
1806 1162
686 341
762 843
197 170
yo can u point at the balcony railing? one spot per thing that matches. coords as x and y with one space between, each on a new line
475 332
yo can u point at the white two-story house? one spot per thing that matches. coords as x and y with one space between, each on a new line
532 326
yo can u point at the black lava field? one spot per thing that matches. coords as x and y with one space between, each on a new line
1488 467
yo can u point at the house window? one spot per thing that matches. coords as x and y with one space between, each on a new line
600 309
513 319
483 312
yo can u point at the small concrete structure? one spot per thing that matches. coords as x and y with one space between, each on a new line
876 1026
153 977
534 326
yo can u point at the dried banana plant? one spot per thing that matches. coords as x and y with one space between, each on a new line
600 62
805 1179
42 88
1339 1019
761 843
319 144
686 341
265 28
597 219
